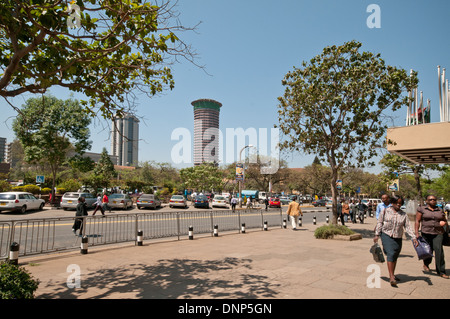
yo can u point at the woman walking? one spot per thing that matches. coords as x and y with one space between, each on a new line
390 225
432 219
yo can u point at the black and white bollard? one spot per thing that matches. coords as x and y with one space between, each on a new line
328 219
216 230
191 232
84 245
265 225
314 220
284 223
14 253
300 222
243 228
140 237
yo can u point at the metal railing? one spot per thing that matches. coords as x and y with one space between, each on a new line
38 236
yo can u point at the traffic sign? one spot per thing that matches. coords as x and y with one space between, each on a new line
40 179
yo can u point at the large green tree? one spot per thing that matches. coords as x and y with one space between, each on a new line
205 177
334 105
104 49
48 128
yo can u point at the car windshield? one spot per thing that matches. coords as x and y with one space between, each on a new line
71 195
146 197
219 198
7 196
177 197
116 196
201 197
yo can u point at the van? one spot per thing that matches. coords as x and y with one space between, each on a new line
371 201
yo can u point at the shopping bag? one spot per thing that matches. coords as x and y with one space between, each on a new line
423 250
446 236
377 253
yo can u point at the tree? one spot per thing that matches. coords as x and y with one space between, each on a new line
116 47
334 106
205 177
104 170
48 127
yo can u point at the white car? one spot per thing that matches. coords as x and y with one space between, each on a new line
178 201
219 201
21 201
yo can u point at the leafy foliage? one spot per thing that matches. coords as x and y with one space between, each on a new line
16 282
328 231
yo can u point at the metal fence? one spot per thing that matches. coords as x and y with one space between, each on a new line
38 236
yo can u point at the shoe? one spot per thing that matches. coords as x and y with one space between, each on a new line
425 268
444 276
393 283
74 231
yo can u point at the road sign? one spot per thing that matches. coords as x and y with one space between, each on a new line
40 179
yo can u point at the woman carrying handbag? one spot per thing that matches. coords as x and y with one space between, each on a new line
431 221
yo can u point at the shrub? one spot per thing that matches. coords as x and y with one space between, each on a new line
328 231
34 189
16 282
46 190
70 185
5 186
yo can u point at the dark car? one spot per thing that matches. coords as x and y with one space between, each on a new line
320 202
201 201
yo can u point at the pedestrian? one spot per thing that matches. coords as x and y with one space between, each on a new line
105 203
233 203
430 219
294 212
447 209
81 211
345 211
99 205
339 212
383 205
390 225
266 202
362 211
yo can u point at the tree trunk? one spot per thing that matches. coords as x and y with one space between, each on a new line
418 185
334 195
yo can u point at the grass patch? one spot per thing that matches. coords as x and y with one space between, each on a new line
328 231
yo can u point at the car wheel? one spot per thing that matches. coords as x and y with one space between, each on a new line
41 207
23 209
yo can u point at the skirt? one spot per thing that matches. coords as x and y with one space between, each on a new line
391 247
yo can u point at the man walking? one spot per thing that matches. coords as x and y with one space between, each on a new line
294 212
383 205
233 203
81 211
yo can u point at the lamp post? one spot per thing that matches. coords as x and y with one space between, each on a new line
240 182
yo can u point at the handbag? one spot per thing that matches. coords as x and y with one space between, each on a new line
446 236
377 253
423 250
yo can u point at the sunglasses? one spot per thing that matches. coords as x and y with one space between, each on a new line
432 199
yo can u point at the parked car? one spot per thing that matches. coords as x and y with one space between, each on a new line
285 200
201 201
123 201
70 200
21 201
319 202
274 202
178 201
219 201
329 204
148 201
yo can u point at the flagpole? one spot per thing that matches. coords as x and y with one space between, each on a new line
421 107
440 92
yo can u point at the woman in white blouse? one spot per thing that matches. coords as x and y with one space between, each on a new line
390 225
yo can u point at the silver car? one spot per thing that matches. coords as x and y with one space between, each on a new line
70 200
21 201
178 201
148 200
123 201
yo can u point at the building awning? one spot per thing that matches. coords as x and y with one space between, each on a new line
421 144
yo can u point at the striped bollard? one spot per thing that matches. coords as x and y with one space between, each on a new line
84 245
284 223
216 230
328 219
243 228
300 222
140 237
314 220
191 232
265 225
14 253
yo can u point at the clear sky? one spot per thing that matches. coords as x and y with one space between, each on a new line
247 47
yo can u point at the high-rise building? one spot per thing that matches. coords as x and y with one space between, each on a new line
2 149
125 140
206 131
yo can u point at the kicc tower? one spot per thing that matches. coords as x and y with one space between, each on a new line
206 131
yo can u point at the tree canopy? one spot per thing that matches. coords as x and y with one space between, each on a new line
116 47
333 106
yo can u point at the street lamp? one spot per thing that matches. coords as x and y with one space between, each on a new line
240 182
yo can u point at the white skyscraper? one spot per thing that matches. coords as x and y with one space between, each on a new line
125 140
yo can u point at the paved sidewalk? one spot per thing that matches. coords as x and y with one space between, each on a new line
274 264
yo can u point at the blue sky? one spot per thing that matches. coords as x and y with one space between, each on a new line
248 46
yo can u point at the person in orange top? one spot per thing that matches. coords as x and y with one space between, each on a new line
294 212
345 211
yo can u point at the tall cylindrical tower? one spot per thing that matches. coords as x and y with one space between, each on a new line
206 131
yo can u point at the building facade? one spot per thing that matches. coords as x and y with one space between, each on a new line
2 149
206 131
125 140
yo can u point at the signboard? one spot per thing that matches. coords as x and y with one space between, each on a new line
358 190
394 185
339 184
40 179
239 172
